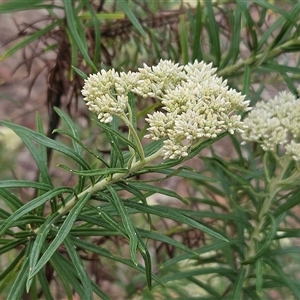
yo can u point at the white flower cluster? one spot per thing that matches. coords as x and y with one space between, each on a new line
105 93
196 103
274 123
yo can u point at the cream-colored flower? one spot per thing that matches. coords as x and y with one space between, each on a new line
275 123
199 107
196 103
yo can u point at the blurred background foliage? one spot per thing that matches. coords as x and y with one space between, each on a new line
255 46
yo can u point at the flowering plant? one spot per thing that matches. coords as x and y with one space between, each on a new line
196 108
196 103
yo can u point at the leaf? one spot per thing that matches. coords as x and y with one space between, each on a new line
18 287
114 135
12 6
249 24
213 31
33 37
197 52
226 272
10 199
96 27
25 184
98 291
291 201
155 189
39 243
79 266
12 245
72 129
183 40
154 235
215 246
45 285
96 172
106 253
61 234
31 205
238 285
26 133
172 214
67 274
12 267
79 72
117 202
125 7
76 30
285 278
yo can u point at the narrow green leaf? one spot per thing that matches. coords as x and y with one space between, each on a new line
127 223
72 129
154 235
285 278
10 199
246 80
234 49
12 245
79 266
226 272
183 40
45 285
106 253
259 275
283 72
96 27
79 72
155 189
213 30
99 292
12 266
250 25
79 142
16 6
31 205
39 243
96 172
292 201
61 234
74 53
72 19
172 214
18 287
110 221
197 51
279 10
216 246
33 37
125 7
67 274
25 184
238 284
24 132
147 259
42 159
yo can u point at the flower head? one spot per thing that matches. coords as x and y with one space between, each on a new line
274 123
196 103
198 107
105 93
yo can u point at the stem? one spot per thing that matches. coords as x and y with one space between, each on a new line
273 188
135 136
252 59
104 182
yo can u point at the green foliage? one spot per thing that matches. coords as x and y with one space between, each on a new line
234 237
